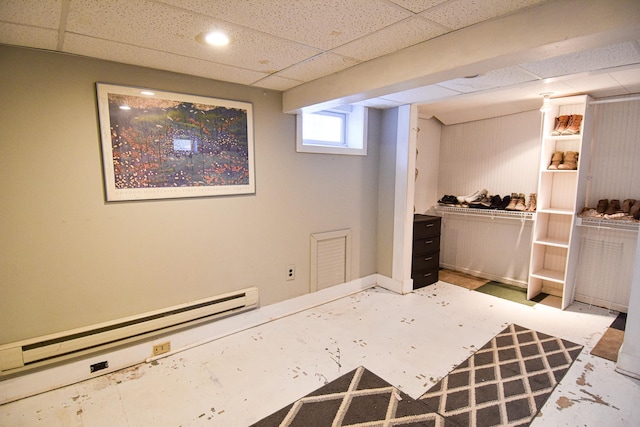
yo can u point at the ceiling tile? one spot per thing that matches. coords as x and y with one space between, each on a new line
249 49
275 82
458 14
493 79
628 78
592 82
317 67
333 24
38 13
417 6
22 35
394 37
596 59
127 54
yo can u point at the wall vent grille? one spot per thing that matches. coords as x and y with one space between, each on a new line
330 259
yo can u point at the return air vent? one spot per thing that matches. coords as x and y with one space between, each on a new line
330 259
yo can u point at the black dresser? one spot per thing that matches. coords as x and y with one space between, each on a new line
426 250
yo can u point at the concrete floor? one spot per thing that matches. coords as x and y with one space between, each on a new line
411 341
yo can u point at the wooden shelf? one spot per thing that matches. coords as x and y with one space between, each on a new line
555 211
547 241
564 137
550 275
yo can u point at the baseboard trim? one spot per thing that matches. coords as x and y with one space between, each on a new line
395 285
27 384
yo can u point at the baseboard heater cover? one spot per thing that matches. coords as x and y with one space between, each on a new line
61 346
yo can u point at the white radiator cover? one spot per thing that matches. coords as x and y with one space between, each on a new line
35 352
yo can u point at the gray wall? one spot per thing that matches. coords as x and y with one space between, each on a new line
70 259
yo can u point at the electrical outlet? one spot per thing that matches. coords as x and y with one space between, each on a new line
291 272
98 366
165 347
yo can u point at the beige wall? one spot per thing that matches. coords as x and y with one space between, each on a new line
69 259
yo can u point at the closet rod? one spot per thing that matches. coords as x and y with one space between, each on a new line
617 99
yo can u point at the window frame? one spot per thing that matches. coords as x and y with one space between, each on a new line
355 133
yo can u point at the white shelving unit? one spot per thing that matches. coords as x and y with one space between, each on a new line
561 193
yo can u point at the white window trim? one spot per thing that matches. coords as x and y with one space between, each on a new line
356 135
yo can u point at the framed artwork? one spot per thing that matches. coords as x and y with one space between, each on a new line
159 145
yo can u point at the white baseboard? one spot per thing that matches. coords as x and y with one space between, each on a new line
34 382
395 285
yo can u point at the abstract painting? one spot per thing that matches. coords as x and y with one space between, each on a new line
159 145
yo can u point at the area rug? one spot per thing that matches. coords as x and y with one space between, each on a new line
357 398
506 382
611 341
510 292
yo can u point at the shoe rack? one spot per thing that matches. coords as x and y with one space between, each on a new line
555 243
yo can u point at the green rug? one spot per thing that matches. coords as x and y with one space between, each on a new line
510 292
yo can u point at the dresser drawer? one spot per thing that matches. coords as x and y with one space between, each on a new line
423 278
426 226
427 245
426 262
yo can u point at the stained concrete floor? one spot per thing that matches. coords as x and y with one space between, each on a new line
411 341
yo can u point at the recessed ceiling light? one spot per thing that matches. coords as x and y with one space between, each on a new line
213 38
147 92
125 107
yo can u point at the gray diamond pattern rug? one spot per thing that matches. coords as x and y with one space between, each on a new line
358 398
505 383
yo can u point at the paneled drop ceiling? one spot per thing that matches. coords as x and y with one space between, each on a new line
286 44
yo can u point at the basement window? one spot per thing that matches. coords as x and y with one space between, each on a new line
337 131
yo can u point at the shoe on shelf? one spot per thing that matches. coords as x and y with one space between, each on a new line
515 197
634 211
570 161
556 159
588 213
472 196
505 202
627 205
520 205
614 207
477 197
603 205
561 124
533 201
483 203
448 200
573 127
496 201
616 215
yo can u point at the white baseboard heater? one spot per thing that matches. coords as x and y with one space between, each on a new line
35 352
